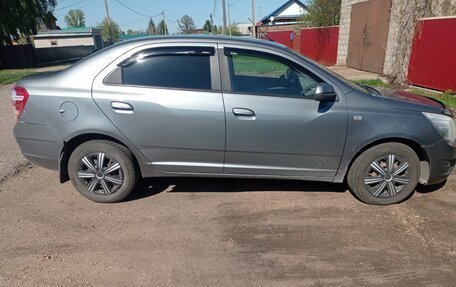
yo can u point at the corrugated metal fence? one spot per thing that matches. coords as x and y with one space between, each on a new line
56 54
433 58
17 57
318 44
284 37
25 56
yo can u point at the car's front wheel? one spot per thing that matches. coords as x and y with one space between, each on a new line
384 174
103 171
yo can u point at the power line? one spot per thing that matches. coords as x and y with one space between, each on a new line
71 5
143 7
134 11
90 3
213 9
239 10
137 21
172 21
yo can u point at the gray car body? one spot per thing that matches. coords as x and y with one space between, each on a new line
175 132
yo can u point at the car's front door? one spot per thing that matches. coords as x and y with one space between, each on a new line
274 127
167 101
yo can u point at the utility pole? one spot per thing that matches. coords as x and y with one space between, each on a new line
224 17
253 20
164 22
107 12
212 24
229 18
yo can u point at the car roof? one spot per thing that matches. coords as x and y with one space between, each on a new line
205 38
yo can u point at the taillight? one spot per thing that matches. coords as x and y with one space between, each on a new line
19 96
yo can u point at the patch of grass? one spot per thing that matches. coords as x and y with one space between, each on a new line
249 65
11 76
448 97
372 82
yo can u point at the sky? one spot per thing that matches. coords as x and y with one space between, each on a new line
199 10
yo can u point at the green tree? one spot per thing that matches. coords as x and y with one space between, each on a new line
109 30
132 32
186 25
233 30
321 13
162 28
75 19
22 18
208 26
151 29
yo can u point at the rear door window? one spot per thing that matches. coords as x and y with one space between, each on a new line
178 68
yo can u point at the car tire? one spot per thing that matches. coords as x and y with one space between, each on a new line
384 174
108 182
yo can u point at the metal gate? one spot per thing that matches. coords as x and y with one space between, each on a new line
368 36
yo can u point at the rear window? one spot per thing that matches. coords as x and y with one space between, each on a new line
178 71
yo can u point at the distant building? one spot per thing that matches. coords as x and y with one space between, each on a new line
69 37
50 22
287 14
285 17
245 29
126 37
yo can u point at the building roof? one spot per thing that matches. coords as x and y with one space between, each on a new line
83 31
292 9
132 36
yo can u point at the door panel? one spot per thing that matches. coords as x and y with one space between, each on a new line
274 127
167 102
177 131
288 136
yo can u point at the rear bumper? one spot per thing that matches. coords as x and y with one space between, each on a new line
39 144
442 157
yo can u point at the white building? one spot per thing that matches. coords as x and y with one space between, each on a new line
69 37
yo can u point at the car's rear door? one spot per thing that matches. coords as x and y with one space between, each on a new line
274 125
166 100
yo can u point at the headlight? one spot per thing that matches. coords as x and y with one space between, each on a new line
445 125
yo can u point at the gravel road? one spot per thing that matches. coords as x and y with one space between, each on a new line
208 232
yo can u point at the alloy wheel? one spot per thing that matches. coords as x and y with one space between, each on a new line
387 176
100 173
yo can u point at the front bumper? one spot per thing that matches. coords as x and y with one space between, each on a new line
442 160
39 144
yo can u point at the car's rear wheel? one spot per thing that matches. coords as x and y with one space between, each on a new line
103 171
384 174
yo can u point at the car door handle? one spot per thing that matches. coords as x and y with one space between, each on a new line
122 107
243 113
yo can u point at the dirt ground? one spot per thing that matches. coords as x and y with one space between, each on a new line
353 74
210 232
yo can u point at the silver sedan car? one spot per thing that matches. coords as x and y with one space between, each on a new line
227 107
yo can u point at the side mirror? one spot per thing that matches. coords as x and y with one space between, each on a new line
325 93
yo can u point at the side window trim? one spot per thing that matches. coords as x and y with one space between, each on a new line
115 76
161 51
